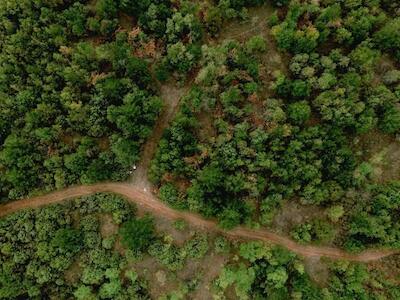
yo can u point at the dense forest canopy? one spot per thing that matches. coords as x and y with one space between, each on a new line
76 87
288 133
76 103
290 120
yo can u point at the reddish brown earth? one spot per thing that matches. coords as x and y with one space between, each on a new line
150 202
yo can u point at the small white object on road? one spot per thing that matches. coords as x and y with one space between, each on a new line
134 167
145 189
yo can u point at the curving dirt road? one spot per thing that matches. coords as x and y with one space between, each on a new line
150 202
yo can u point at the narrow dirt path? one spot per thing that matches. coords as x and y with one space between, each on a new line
170 94
150 202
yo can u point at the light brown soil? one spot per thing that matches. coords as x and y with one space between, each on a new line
292 214
166 226
150 269
389 268
126 22
211 267
318 270
107 226
72 274
150 202
242 30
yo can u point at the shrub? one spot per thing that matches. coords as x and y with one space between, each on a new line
137 234
299 112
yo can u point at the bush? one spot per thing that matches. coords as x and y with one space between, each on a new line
137 234
169 194
318 230
255 45
390 122
335 213
180 57
299 112
67 241
388 38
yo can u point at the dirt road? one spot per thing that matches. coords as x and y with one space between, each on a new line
150 202
171 95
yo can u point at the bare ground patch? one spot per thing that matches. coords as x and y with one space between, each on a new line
126 22
382 151
389 267
160 280
256 25
292 213
73 274
210 266
317 269
107 226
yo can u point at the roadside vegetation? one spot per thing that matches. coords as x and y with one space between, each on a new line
248 137
71 251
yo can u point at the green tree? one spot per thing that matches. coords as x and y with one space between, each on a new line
137 115
67 241
388 37
137 234
84 293
299 112
242 277
335 213
390 122
256 44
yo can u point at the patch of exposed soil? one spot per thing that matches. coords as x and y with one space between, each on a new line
257 21
73 273
382 151
164 225
385 64
317 269
256 25
160 280
211 266
292 213
126 22
107 226
389 267
206 128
